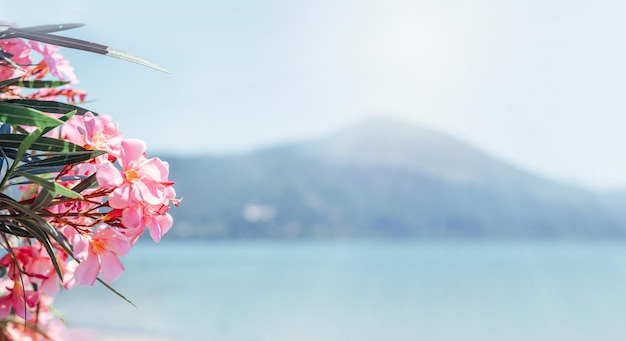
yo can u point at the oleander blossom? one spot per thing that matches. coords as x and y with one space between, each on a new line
155 217
99 254
94 133
18 299
141 189
54 61
20 55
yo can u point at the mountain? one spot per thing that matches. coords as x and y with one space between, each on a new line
380 179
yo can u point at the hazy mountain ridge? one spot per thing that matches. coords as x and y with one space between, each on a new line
381 179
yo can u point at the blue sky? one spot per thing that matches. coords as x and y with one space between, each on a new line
538 83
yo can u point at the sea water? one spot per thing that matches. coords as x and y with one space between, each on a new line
363 290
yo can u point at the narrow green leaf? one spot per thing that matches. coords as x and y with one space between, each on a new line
45 226
36 170
8 61
43 199
16 114
40 234
86 183
62 160
8 82
11 227
35 225
58 237
83 45
45 144
46 184
113 52
63 118
39 84
21 150
116 292
52 107
25 145
52 186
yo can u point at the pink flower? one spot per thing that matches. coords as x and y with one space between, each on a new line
18 299
140 180
47 321
21 259
138 216
93 133
59 66
101 133
32 266
99 254
44 275
21 55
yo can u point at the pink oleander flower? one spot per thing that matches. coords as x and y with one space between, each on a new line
20 260
31 266
141 180
155 217
101 134
19 299
45 276
58 66
49 326
93 133
99 254
20 52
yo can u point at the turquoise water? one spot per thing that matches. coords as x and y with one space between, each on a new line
364 291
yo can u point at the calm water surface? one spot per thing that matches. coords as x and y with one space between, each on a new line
364 291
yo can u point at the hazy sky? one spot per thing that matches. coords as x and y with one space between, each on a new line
539 83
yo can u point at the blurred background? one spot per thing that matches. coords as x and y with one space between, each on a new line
366 170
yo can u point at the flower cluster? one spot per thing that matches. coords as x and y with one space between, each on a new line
74 194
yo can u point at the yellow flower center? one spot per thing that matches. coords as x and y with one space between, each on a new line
131 175
98 245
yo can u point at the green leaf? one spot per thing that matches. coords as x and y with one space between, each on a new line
39 233
86 183
8 61
39 84
11 81
83 45
27 141
45 144
43 199
39 229
115 291
35 170
63 118
68 115
10 227
52 107
45 226
62 160
58 237
52 186
16 114
25 145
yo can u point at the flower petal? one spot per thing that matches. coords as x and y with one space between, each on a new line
112 268
152 192
108 176
5 306
132 149
88 270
